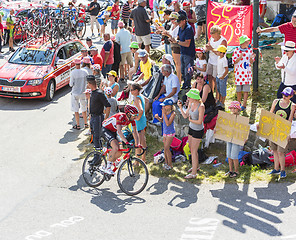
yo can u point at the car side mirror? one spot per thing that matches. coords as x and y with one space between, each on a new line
61 62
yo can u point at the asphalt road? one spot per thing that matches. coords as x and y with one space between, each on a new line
42 194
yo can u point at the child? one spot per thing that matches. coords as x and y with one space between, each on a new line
113 102
168 115
242 58
222 75
155 38
232 149
285 108
200 64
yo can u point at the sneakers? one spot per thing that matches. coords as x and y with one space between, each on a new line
109 171
283 174
275 172
93 36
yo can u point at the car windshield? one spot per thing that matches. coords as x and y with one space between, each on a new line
31 56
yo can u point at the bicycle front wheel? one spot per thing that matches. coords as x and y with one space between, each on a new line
80 28
93 175
132 176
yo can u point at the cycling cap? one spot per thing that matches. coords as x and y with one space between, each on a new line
131 109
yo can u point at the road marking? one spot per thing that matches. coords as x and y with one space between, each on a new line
200 228
289 237
65 223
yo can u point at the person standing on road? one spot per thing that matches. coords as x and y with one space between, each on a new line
123 37
97 58
78 85
10 27
98 102
107 55
1 35
115 14
142 24
94 9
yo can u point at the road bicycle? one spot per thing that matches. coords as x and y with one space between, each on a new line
132 176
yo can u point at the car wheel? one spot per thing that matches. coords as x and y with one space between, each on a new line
50 91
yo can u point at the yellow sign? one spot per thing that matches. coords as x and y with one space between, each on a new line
232 128
274 128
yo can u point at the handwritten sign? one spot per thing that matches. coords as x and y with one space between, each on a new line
274 128
232 128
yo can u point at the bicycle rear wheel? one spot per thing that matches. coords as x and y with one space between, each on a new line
93 175
132 176
80 28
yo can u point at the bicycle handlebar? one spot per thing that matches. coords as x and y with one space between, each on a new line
130 147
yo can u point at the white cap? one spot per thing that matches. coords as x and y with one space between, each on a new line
169 58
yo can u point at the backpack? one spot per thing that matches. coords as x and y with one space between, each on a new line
154 85
279 19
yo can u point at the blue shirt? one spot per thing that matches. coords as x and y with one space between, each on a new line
185 34
123 37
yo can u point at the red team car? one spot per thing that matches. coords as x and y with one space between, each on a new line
36 70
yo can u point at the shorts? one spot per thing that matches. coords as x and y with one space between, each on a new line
201 23
175 48
109 136
200 12
232 150
212 70
243 88
146 39
196 134
78 101
222 86
114 24
169 135
126 58
275 147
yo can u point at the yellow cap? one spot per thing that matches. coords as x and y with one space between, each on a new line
109 8
221 48
113 73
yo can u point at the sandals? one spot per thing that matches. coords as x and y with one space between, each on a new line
77 127
190 170
234 175
86 125
228 174
190 176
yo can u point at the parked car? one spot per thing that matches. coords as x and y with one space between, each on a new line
37 70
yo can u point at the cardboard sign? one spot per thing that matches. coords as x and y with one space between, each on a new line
274 128
232 128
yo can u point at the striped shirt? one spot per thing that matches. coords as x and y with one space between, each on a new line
125 10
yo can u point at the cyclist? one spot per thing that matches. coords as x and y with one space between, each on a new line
112 126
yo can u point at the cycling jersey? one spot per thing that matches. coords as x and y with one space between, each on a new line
117 119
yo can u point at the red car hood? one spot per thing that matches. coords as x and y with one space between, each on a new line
23 72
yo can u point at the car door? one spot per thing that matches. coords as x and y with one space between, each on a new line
62 75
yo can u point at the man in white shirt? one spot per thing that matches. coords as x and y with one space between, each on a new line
287 64
78 97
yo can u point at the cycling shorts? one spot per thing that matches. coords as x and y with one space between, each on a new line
109 136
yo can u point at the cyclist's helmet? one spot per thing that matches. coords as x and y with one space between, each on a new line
131 110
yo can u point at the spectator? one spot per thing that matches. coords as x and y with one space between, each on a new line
1 35
232 149
169 90
286 109
86 65
107 55
141 120
177 8
142 24
123 37
200 64
10 26
169 4
97 58
206 93
195 113
125 13
167 119
156 8
187 47
190 15
113 102
97 104
115 14
262 11
167 26
287 64
78 98
222 75
97 73
155 38
116 55
215 40
145 67
288 29
242 58
168 59
84 54
89 43
94 9
134 50
112 82
200 13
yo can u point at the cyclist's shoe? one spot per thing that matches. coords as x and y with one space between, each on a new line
109 171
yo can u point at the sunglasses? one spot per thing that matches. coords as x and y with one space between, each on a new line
288 51
134 48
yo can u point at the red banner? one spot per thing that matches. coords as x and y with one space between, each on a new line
235 21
